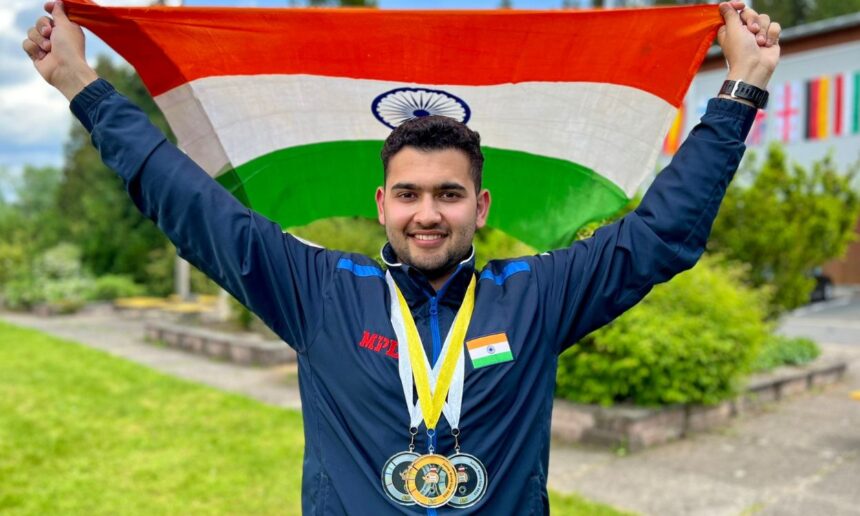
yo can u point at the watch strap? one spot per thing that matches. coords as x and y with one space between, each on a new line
744 91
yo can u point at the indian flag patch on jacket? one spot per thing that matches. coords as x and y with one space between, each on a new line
489 350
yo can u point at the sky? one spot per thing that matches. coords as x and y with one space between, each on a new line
35 118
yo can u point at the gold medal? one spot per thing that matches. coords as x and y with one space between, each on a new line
431 480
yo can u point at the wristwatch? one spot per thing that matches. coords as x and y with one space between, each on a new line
744 91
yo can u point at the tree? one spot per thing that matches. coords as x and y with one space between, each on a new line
29 221
97 214
784 220
824 9
36 190
787 12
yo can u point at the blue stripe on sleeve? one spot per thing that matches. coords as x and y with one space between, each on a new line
361 271
507 271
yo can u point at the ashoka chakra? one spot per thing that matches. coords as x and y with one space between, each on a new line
394 107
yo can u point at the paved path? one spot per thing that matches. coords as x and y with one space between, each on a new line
123 337
801 457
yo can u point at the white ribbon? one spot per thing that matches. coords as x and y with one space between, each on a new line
452 407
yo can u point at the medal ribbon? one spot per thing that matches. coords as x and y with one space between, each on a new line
445 379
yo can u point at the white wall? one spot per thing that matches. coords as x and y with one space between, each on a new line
844 58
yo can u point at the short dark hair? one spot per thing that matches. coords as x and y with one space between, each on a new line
434 132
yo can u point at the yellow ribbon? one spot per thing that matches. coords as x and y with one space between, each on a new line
432 403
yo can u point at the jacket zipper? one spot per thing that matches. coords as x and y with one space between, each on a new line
437 348
437 342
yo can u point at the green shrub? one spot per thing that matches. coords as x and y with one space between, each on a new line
783 220
68 294
112 286
159 270
56 278
494 244
64 295
778 350
13 261
688 341
22 293
59 262
353 234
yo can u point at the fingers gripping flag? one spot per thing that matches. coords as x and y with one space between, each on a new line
288 108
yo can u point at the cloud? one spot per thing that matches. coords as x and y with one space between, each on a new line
15 66
34 117
32 111
27 16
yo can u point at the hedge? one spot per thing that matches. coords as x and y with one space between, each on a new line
689 341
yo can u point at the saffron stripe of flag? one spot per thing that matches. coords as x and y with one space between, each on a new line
283 104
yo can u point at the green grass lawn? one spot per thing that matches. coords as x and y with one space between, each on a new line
82 432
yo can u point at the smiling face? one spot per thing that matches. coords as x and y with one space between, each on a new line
431 209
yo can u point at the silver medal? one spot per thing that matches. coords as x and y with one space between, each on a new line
471 480
394 477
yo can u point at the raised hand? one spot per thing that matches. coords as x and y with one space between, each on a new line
56 46
750 43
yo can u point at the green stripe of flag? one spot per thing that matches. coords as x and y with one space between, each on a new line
507 356
554 197
229 179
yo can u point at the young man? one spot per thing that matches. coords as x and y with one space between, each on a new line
476 437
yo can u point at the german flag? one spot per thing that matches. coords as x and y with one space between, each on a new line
818 99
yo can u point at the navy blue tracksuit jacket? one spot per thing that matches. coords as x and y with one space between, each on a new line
333 307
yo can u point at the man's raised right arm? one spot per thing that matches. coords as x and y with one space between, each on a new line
275 275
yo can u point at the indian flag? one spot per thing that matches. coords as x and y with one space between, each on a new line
288 108
489 350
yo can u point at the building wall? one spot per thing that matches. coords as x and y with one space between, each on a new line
822 65
805 62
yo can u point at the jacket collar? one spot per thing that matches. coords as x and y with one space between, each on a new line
416 287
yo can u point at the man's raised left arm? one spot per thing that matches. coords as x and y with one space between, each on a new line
597 279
